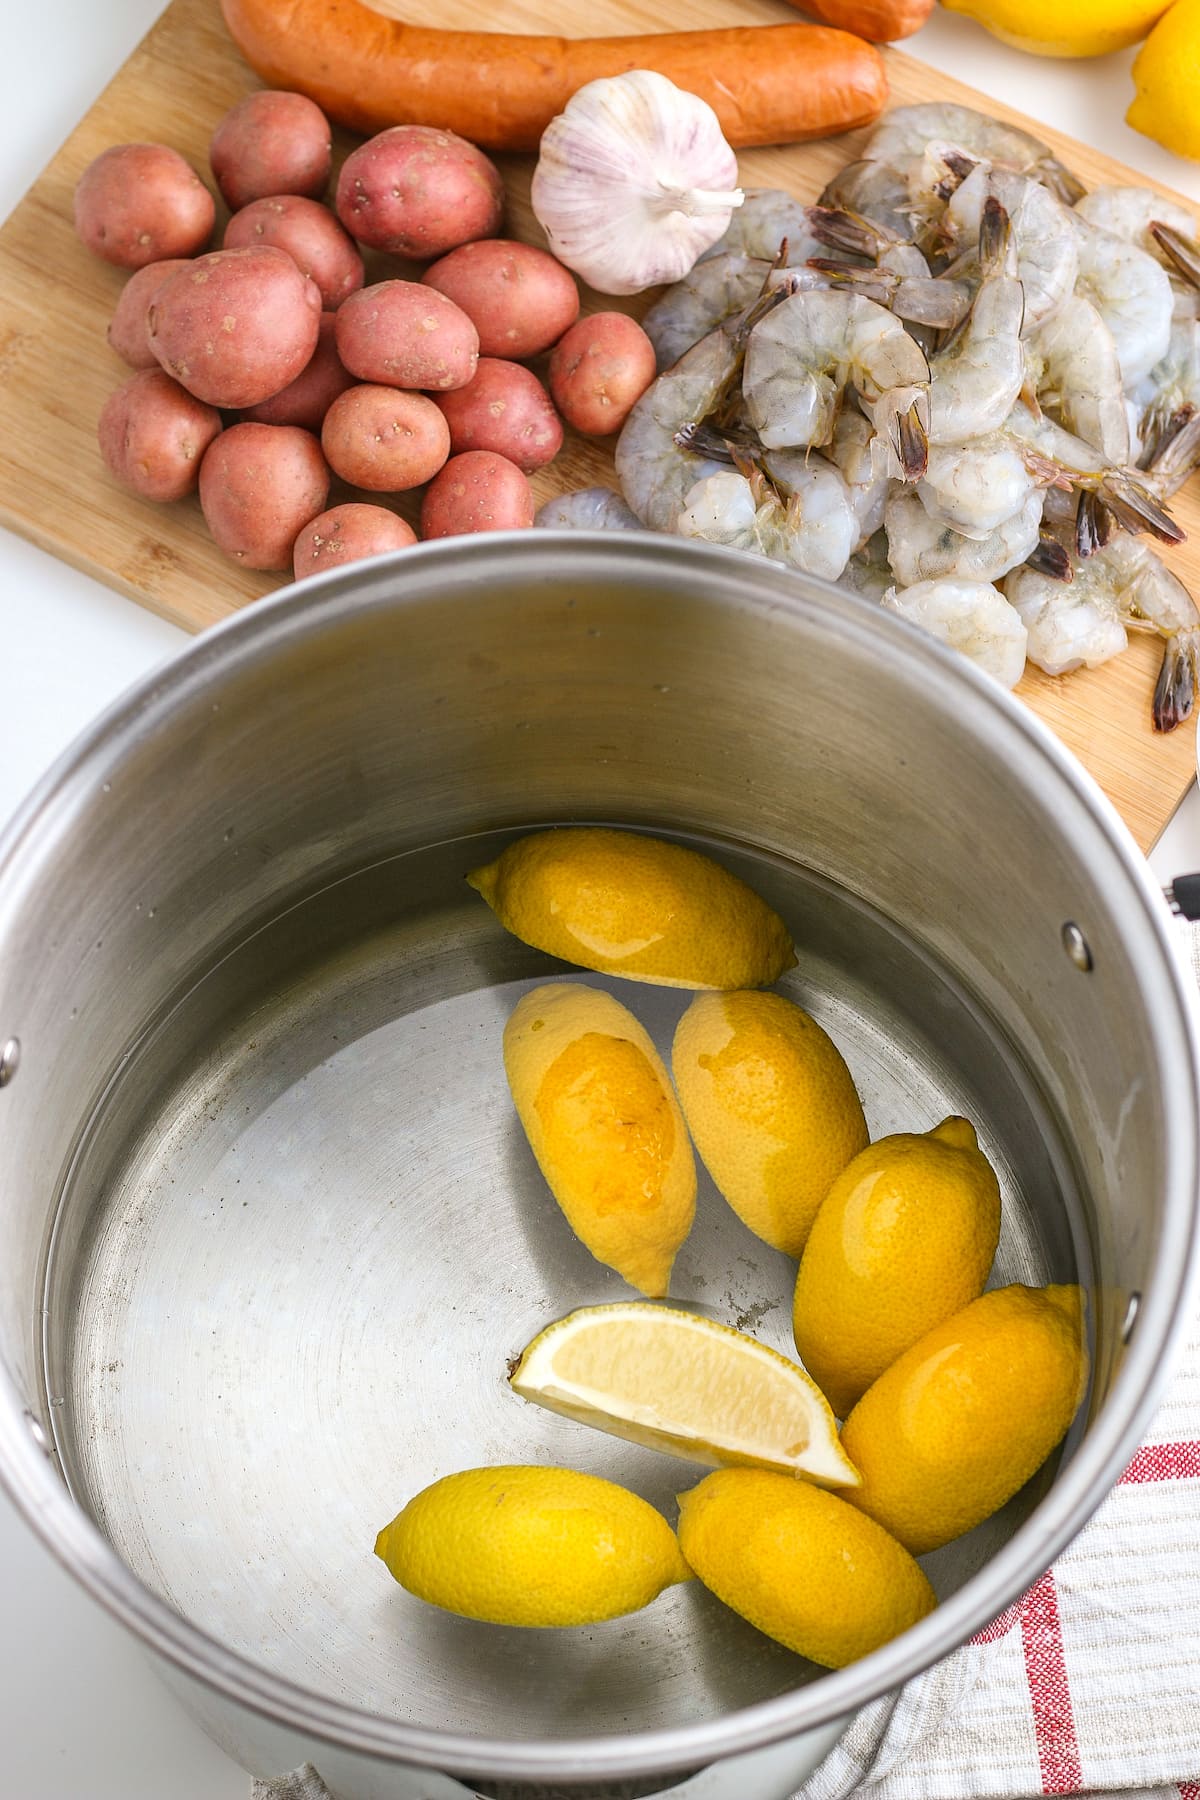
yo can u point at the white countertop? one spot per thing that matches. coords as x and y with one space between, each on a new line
82 1717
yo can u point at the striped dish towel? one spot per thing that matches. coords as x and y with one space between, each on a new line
1090 1683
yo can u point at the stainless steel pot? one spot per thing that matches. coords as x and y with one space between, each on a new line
270 1231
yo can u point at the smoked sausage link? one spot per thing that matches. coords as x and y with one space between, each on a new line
768 84
882 21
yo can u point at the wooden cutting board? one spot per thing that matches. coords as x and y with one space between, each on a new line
56 368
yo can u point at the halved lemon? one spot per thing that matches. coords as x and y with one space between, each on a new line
679 1382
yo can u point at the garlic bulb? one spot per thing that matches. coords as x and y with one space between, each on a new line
634 182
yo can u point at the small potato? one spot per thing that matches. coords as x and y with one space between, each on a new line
384 439
236 326
259 485
311 236
138 203
306 400
153 435
504 408
127 328
520 298
598 369
406 335
417 191
347 534
477 491
271 143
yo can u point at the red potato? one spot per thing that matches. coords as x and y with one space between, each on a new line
127 328
384 439
236 326
477 491
347 534
271 143
520 298
504 408
405 335
598 369
306 400
418 191
138 203
259 486
154 434
311 236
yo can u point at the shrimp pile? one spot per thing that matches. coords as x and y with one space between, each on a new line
958 384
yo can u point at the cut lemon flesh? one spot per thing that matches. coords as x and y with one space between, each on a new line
682 1383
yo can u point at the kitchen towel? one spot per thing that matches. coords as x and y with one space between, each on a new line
1090 1683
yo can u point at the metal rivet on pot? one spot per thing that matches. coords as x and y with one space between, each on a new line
1076 946
10 1056
1131 1313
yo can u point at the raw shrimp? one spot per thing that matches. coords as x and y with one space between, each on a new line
874 191
1129 212
805 521
972 617
975 487
974 383
1172 388
902 136
1071 463
1131 588
714 290
1068 627
897 275
654 471
760 224
1073 367
861 458
588 509
802 356
1042 231
869 572
921 549
1132 294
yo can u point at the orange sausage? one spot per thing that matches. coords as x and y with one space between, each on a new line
768 84
883 21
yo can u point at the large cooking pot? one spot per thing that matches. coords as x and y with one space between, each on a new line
270 1231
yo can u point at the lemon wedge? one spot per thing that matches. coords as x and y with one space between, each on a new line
676 1381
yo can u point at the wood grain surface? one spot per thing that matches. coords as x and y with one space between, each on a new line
56 368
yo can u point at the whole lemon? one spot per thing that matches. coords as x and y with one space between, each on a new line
521 1545
771 1107
1067 28
800 1564
962 1420
624 904
1166 74
601 1117
905 1238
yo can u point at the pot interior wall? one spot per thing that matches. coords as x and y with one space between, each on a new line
300 1248
272 1230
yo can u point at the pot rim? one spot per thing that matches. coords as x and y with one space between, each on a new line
27 1472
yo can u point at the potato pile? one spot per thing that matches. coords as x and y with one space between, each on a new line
267 370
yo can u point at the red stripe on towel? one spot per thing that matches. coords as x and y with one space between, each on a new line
1049 1692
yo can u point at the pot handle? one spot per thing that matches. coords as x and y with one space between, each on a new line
1183 897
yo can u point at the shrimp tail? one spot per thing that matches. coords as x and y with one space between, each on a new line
995 235
1093 524
917 299
909 440
1183 251
1135 508
1050 559
849 232
1175 451
1175 689
1062 184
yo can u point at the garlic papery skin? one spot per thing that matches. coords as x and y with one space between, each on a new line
634 182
